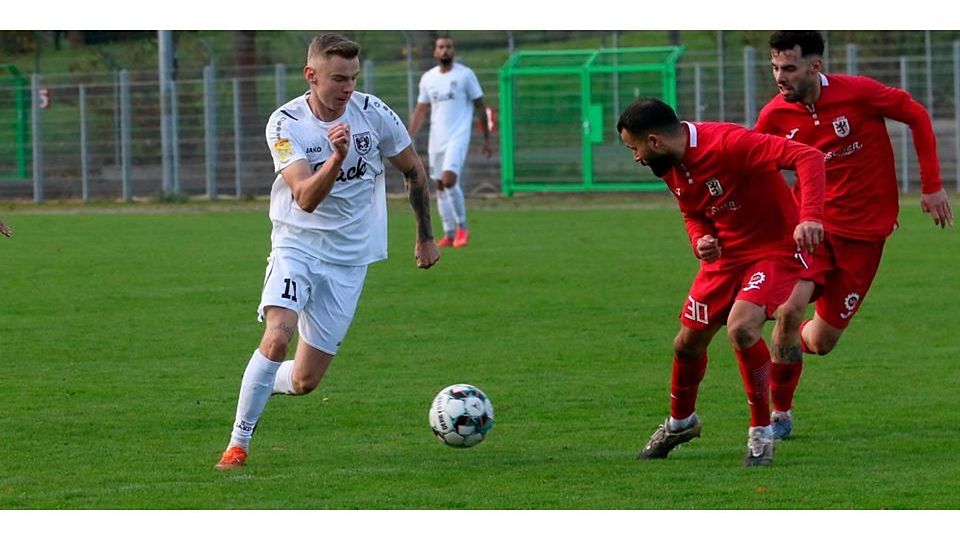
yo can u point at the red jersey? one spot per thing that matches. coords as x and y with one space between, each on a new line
847 123
729 186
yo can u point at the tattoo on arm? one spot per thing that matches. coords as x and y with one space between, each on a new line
420 201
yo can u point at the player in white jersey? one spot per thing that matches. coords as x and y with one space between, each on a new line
328 208
452 93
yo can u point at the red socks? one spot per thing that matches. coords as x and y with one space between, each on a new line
783 384
755 370
684 386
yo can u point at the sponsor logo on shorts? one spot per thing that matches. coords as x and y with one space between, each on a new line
755 281
850 304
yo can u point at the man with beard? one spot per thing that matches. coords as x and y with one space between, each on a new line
844 117
452 93
752 242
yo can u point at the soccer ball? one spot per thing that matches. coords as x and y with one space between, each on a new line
461 415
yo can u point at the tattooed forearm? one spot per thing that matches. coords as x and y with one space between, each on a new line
420 202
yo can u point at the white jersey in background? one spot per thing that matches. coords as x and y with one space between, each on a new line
451 96
350 226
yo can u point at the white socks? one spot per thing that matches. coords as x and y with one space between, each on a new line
284 381
679 425
255 390
459 208
448 212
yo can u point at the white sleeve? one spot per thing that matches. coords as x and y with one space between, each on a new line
393 134
424 96
474 92
284 147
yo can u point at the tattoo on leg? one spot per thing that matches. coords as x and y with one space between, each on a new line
286 329
790 354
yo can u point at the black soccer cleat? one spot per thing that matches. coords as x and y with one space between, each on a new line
663 440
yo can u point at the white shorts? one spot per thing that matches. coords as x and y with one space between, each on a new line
324 295
450 159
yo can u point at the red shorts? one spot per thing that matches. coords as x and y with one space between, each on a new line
843 271
766 283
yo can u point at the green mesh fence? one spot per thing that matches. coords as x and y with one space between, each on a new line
559 111
14 130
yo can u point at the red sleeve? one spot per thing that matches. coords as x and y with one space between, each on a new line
806 161
898 105
697 227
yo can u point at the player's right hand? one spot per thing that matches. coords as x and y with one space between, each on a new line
708 249
339 136
808 235
427 253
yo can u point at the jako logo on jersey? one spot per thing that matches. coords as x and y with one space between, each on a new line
352 173
792 134
850 303
755 281
362 142
714 187
841 126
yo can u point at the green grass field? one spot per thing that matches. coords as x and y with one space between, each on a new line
123 337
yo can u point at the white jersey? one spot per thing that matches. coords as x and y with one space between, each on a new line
451 96
349 227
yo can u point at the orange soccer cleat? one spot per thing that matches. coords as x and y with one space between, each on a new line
463 236
232 458
446 241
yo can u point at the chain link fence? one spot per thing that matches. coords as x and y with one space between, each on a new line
98 134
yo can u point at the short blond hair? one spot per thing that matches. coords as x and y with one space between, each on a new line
327 45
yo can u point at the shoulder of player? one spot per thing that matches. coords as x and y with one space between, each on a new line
293 110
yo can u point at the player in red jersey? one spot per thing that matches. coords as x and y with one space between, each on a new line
844 117
751 239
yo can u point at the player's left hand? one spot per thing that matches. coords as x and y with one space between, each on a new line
487 149
808 235
427 254
937 204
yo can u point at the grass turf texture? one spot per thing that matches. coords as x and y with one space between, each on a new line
123 337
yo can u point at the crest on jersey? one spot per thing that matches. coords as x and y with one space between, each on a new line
714 187
361 141
841 126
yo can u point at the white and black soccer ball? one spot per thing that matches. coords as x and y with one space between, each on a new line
461 415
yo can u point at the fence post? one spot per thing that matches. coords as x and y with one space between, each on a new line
852 68
165 51
956 112
928 53
410 96
749 87
368 76
84 160
125 147
721 87
174 138
280 75
904 147
210 130
37 138
697 93
237 159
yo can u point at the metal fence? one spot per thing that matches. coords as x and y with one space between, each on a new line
99 135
